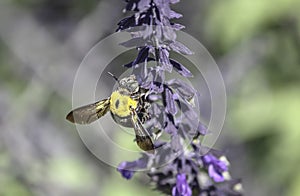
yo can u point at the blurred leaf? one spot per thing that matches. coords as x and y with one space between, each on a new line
295 186
235 20
260 113
69 172
253 110
118 186
12 187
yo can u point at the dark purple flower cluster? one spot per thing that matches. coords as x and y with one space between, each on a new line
179 166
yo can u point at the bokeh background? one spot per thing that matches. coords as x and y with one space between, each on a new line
256 44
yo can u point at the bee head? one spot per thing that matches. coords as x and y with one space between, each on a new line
129 83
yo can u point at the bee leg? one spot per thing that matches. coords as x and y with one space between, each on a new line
145 143
142 136
145 117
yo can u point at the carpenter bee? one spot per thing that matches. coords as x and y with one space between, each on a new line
128 107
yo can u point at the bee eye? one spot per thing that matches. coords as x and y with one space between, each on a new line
117 104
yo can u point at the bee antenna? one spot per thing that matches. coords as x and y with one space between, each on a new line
112 75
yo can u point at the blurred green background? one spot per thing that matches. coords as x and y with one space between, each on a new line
256 44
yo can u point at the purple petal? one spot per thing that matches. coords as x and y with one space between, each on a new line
177 26
156 87
185 129
183 89
175 143
169 101
145 18
170 128
157 12
140 71
169 33
182 70
128 65
207 159
174 191
189 192
215 167
125 172
182 187
173 14
202 129
215 175
175 96
143 5
189 113
189 119
180 180
127 169
146 84
154 124
221 166
180 48
142 56
174 1
164 7
148 30
156 109
126 23
154 97
134 42
164 59
169 124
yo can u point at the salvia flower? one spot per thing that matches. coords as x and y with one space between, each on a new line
123 169
127 169
216 167
182 187
176 168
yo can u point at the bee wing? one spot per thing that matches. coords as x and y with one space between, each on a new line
89 113
143 138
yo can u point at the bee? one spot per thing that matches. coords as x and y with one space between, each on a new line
128 107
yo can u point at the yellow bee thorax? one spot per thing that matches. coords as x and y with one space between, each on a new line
120 104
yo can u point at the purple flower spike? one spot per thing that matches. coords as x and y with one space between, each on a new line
216 167
172 118
182 188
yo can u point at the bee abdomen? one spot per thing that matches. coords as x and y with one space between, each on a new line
145 143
